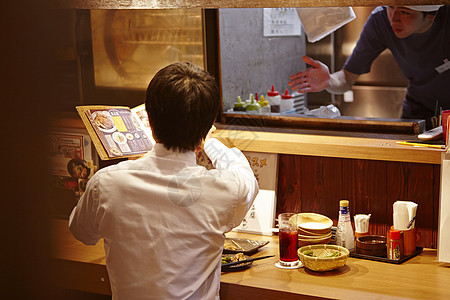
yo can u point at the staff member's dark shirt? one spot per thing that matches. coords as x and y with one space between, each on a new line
417 55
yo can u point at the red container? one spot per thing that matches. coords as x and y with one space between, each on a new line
288 245
394 244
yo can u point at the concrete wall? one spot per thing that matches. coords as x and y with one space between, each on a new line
250 62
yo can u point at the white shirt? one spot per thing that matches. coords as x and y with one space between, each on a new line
163 219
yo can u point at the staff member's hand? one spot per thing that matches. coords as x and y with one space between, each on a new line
314 79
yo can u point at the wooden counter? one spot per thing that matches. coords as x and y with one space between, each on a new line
82 267
319 143
317 168
355 145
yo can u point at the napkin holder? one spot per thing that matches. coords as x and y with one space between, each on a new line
404 220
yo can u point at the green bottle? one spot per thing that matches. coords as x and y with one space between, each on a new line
253 107
239 105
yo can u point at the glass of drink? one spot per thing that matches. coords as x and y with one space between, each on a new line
288 240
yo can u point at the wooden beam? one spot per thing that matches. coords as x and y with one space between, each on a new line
175 4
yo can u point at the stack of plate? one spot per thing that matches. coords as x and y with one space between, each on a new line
313 229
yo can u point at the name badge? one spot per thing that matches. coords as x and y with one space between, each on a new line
444 67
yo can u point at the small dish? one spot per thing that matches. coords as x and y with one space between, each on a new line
239 267
306 242
313 223
247 247
312 233
374 245
314 237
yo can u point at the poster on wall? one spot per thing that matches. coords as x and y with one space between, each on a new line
70 166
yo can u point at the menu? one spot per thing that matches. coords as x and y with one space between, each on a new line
118 131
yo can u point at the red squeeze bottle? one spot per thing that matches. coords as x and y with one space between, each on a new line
274 99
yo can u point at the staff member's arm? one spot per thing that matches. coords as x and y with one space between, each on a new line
318 78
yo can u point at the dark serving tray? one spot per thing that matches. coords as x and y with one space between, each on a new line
387 260
247 247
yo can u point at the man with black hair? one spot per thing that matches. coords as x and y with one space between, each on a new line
163 218
419 39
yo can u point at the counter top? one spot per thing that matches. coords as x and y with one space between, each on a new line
324 143
82 267
356 145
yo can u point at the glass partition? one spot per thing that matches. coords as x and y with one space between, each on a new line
130 46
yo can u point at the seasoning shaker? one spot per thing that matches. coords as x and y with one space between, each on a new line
394 244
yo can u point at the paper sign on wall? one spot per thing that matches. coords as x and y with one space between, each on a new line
281 22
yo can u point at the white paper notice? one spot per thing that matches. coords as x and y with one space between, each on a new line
260 218
281 22
444 211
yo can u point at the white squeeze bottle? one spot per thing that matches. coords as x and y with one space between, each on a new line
274 99
344 232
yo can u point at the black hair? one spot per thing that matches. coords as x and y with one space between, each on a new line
435 13
182 102
430 13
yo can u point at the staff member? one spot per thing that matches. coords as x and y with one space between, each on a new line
419 39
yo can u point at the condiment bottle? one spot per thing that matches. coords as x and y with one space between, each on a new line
344 231
253 107
265 106
274 100
394 244
287 103
239 105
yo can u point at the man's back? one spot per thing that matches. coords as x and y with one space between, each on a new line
163 220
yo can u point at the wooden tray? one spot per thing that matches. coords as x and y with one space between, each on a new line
387 260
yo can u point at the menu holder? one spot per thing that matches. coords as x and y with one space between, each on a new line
118 131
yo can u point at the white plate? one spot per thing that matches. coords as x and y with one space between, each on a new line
119 138
103 121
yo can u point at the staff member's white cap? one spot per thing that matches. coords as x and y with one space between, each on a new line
424 8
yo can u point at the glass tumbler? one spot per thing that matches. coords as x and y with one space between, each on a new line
288 240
